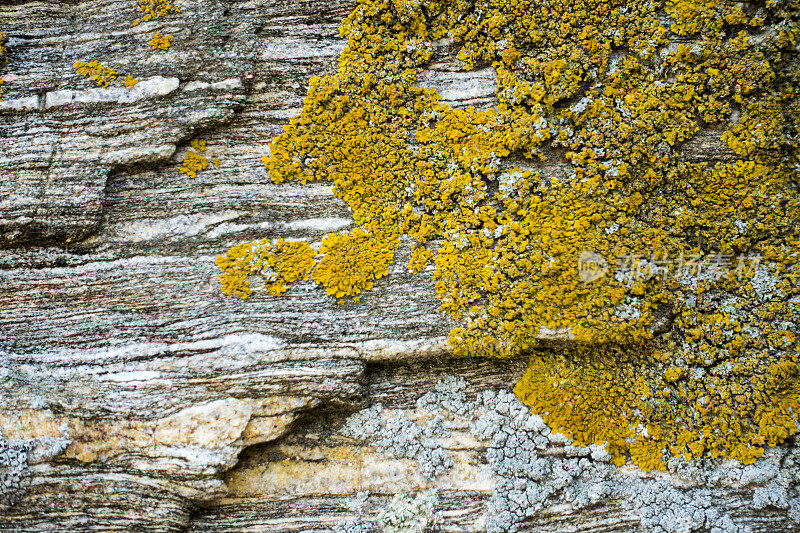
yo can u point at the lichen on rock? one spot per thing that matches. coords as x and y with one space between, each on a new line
153 9
16 456
698 359
100 74
394 433
534 473
276 264
407 514
2 58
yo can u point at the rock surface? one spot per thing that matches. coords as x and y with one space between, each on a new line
133 394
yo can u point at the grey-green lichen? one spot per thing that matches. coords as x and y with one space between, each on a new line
535 470
394 433
16 458
410 514
357 525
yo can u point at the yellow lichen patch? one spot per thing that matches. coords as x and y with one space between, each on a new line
685 343
623 398
352 262
103 76
2 59
194 162
276 265
160 42
130 82
151 9
294 260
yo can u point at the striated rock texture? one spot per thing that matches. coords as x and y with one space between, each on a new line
134 396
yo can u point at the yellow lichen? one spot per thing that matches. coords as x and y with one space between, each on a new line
352 261
194 162
103 76
198 144
155 8
160 42
130 82
276 265
687 345
2 59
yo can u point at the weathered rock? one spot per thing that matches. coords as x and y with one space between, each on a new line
61 137
114 335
